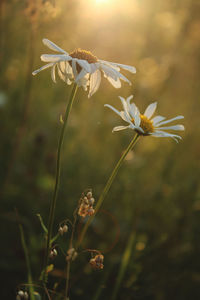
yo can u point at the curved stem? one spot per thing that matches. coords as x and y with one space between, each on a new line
107 187
53 202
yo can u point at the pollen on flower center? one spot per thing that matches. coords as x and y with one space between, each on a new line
146 124
85 55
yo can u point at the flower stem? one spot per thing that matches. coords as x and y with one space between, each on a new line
53 202
107 187
69 261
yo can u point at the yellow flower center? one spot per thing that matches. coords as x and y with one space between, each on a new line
146 125
83 54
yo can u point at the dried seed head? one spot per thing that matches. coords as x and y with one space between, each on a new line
91 201
21 293
71 254
60 230
65 228
86 205
53 253
97 262
25 295
89 195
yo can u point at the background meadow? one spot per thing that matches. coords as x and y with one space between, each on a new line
149 225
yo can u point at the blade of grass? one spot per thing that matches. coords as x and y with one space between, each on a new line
124 264
27 259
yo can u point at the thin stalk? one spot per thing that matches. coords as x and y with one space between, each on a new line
124 264
28 264
69 261
53 202
107 187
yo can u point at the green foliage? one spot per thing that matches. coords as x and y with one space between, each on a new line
156 194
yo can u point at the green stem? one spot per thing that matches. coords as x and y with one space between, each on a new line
53 202
28 264
107 187
69 261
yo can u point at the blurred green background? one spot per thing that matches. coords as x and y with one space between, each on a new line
152 213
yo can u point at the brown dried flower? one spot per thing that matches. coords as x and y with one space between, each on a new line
86 205
97 262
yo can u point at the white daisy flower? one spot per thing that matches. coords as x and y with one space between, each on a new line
144 124
82 67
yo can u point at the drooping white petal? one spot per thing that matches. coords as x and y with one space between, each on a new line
109 72
150 110
126 67
118 66
75 73
107 63
115 83
53 46
80 75
42 68
118 128
175 127
53 74
170 120
94 67
55 57
166 134
84 64
157 119
95 80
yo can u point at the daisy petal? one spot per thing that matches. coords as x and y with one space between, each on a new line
150 110
175 127
157 119
95 80
118 128
53 46
53 75
84 64
137 119
81 75
42 68
114 109
75 73
115 83
54 57
170 120
125 67
125 106
166 134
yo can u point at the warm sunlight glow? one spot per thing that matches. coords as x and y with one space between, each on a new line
101 1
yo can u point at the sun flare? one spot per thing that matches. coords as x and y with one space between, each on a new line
101 1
